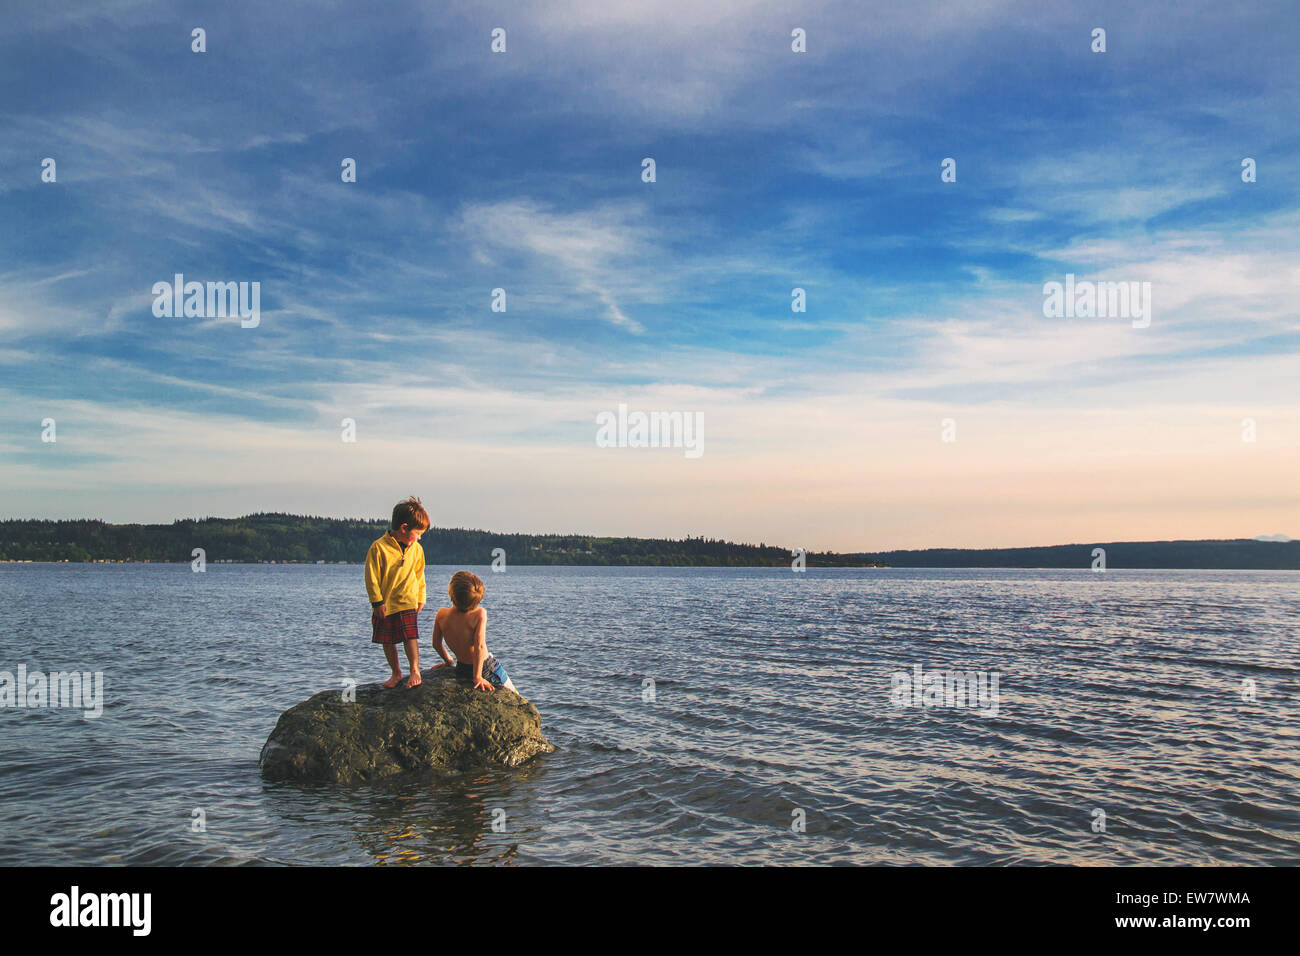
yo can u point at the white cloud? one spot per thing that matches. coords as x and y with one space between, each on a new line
597 250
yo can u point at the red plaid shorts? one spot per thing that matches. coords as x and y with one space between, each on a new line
396 628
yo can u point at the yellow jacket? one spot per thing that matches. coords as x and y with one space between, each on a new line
394 576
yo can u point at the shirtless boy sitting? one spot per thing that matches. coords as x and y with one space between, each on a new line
464 626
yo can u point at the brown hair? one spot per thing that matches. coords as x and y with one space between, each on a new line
465 590
410 513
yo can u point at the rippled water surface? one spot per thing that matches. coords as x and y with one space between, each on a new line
1123 692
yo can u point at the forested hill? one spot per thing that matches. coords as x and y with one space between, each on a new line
1240 554
292 538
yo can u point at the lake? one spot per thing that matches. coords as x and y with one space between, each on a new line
702 715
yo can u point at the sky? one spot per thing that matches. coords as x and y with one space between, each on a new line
922 398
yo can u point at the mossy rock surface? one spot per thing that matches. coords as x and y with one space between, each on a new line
442 725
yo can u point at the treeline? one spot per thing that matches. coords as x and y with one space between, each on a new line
1237 554
294 538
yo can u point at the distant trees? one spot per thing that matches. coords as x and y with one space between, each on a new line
297 538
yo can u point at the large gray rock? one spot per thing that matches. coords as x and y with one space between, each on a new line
444 724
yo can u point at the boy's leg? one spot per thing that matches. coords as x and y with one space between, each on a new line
412 658
390 653
496 673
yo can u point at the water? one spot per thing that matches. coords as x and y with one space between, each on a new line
1120 691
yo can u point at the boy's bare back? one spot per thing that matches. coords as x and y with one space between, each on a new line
462 630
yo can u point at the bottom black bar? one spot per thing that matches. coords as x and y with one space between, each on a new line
309 904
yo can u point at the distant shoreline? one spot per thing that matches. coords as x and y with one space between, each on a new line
306 540
701 567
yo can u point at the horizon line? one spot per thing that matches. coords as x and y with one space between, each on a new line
580 534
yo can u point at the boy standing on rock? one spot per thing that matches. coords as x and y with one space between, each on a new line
395 584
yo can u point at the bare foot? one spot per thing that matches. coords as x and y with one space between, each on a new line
414 680
394 680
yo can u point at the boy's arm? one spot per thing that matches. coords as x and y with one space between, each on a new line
374 574
479 654
438 645
423 582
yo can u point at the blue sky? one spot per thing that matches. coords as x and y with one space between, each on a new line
775 170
